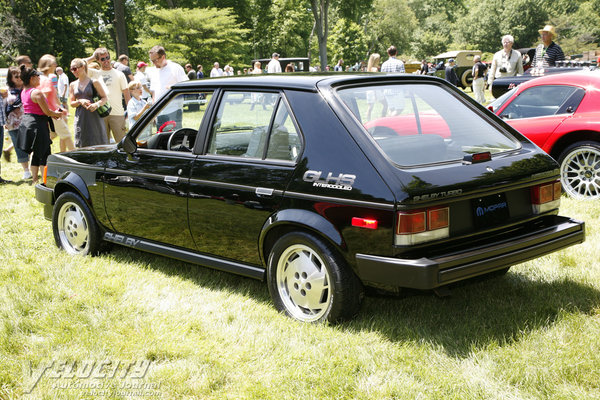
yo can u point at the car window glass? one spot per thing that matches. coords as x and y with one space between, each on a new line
183 113
241 126
538 101
421 124
284 141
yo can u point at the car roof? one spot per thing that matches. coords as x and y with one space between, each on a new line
302 81
577 78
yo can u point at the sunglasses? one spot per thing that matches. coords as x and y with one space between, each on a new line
74 68
105 58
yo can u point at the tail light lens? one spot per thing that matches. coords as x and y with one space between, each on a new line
545 197
419 226
45 174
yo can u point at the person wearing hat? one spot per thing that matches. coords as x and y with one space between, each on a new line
142 78
274 66
450 72
547 53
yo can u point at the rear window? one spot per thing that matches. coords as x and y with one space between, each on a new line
422 124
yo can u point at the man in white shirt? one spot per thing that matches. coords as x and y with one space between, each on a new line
167 74
116 83
216 71
274 66
63 87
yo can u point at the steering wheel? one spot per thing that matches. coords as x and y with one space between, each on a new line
179 137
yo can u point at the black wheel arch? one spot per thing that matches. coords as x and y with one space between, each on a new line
573 137
292 220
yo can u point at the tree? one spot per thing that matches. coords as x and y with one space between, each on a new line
197 35
320 9
120 28
390 23
347 41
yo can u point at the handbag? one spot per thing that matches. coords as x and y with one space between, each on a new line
104 110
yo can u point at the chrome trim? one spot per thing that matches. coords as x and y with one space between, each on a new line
234 186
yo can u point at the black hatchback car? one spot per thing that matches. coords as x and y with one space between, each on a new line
319 184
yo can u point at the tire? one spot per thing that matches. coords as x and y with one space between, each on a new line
309 281
580 170
466 79
74 226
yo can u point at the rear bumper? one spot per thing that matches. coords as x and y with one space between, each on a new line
426 273
45 196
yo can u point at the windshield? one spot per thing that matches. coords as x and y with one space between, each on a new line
417 124
499 102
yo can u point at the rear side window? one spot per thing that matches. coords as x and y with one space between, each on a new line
421 124
254 125
540 101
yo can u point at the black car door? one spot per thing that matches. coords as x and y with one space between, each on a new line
146 192
251 151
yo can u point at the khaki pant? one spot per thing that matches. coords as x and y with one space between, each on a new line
116 125
478 89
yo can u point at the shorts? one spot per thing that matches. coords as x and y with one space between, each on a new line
116 125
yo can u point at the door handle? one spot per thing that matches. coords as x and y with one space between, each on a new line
171 179
264 192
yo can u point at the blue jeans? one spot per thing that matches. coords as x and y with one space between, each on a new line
21 155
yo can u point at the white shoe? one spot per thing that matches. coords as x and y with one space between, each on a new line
27 174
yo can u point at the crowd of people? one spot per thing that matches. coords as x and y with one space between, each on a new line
107 96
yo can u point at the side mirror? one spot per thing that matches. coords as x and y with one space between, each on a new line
128 144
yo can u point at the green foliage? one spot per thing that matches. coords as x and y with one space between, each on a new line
347 41
197 35
391 23
291 27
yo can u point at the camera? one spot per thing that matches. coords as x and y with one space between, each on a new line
503 69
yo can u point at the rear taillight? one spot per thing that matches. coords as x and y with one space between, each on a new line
419 226
545 197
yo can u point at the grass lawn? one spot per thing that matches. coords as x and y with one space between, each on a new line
144 326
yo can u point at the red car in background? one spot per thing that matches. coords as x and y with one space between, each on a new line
561 114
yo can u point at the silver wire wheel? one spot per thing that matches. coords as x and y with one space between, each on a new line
580 171
73 229
304 283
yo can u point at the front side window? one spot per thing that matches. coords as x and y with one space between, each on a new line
182 114
254 125
420 123
540 101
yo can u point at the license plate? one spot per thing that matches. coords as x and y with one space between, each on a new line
490 210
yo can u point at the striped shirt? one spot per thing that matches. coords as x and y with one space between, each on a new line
547 57
393 65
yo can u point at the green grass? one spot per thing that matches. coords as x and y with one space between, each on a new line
532 334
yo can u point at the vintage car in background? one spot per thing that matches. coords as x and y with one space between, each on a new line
464 65
320 185
561 114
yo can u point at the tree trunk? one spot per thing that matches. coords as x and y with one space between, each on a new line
120 28
320 8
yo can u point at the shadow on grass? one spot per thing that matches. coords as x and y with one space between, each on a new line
479 312
202 276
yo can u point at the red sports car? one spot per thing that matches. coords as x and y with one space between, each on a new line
561 114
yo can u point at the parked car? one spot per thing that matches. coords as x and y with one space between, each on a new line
464 65
560 113
503 85
320 185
